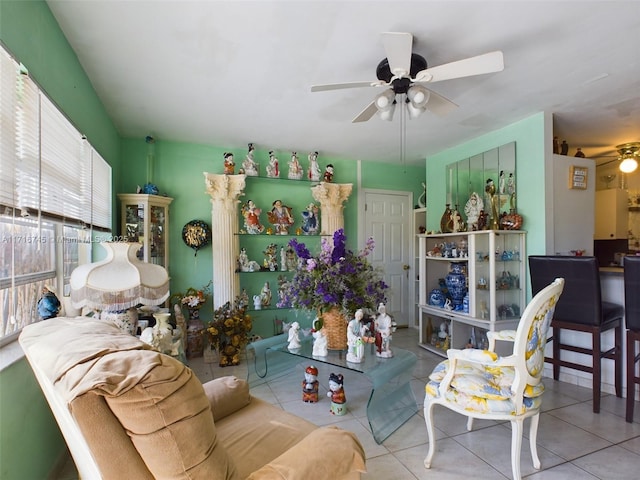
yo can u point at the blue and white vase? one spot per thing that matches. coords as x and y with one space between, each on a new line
465 303
457 284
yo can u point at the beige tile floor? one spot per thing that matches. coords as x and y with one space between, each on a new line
573 443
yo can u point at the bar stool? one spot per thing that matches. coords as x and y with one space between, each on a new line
580 309
632 320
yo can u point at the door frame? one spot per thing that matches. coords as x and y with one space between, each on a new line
408 222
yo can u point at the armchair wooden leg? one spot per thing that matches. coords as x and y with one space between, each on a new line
428 418
516 444
533 438
469 424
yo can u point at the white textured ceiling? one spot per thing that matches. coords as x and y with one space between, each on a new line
226 73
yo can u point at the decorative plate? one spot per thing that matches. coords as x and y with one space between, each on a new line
196 234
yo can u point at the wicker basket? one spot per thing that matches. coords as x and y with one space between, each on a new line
335 326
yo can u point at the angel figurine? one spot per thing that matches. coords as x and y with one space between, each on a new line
294 336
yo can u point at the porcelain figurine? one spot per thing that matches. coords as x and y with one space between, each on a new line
48 305
294 336
384 327
295 169
310 223
249 165
273 171
472 210
310 385
265 295
281 218
355 341
328 174
251 214
320 348
257 302
270 262
337 395
314 172
229 164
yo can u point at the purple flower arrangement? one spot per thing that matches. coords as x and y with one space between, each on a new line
336 277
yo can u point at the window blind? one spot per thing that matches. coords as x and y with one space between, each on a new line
47 167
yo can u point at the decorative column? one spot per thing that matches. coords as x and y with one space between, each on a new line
224 191
331 197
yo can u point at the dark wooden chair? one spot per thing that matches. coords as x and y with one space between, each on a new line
580 309
632 320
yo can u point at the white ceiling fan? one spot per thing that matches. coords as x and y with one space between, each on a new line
406 74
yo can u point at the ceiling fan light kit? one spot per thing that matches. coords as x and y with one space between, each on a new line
629 153
405 72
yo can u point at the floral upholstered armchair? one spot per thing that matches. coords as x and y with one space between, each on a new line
481 384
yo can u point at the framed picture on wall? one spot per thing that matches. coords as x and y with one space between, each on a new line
578 177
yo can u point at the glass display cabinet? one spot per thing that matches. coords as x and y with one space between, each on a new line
145 219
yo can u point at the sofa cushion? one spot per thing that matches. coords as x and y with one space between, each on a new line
259 433
226 395
169 420
110 445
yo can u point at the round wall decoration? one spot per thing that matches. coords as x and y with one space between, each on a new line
196 234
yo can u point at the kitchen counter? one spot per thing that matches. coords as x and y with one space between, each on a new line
611 270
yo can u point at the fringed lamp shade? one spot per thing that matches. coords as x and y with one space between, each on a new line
120 281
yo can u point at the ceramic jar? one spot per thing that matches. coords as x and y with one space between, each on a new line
456 282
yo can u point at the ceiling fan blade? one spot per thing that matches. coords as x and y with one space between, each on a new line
398 49
479 65
340 86
367 113
439 105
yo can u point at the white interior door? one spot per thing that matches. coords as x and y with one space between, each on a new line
387 219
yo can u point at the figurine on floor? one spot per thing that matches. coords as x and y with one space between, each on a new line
384 326
314 171
320 347
310 385
336 393
355 341
272 168
294 336
229 164
295 169
249 165
48 305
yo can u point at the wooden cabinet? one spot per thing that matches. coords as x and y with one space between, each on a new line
493 263
145 219
612 215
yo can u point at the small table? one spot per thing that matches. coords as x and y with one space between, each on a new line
391 402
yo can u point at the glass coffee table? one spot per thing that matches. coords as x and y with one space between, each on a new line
391 402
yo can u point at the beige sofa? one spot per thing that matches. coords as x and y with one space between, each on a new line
127 411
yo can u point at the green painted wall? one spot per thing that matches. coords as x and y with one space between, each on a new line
529 135
30 441
178 172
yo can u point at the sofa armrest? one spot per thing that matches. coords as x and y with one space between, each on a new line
327 452
226 395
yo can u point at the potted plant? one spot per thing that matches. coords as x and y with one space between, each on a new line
334 283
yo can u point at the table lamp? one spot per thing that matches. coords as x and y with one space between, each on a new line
119 283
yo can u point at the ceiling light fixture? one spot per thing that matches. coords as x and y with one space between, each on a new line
386 104
629 154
